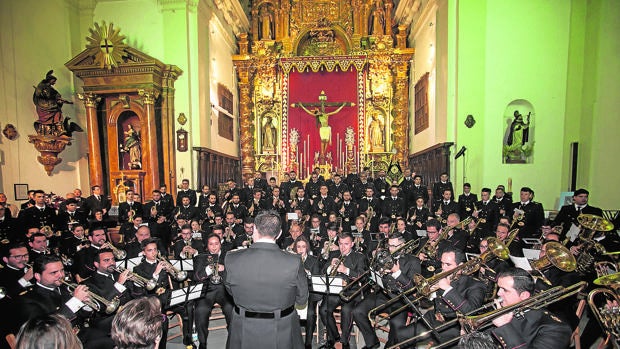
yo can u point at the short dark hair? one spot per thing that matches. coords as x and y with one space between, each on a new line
146 242
459 256
527 189
522 281
486 190
397 235
466 185
346 234
433 223
39 264
268 223
6 249
102 251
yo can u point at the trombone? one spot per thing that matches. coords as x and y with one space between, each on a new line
178 275
138 280
424 287
110 305
118 253
473 323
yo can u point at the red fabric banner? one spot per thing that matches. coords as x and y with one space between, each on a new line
305 87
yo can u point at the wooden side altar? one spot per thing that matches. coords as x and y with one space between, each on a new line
129 101
323 83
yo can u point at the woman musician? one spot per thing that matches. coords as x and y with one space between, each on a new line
417 216
312 266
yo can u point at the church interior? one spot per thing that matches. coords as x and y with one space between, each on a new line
214 90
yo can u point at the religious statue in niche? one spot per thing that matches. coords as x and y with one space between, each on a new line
48 103
518 140
270 133
375 133
266 20
131 146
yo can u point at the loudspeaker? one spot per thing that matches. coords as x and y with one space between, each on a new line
574 157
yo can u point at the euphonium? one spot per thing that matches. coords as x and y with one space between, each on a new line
118 253
604 305
179 275
110 305
138 280
556 255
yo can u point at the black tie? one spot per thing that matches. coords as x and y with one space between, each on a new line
42 209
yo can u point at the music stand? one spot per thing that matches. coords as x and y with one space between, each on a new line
185 294
324 284
183 264
129 263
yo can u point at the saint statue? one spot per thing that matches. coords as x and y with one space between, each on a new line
516 146
269 133
132 146
48 103
375 133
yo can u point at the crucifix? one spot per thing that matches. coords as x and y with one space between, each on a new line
322 117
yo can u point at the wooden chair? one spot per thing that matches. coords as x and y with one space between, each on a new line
10 338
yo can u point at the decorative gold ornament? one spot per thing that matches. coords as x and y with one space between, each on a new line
106 45
182 119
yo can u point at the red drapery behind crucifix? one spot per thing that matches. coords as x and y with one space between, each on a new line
339 87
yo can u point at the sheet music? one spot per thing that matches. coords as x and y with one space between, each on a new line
376 278
184 294
421 232
183 264
292 216
530 253
319 284
521 262
573 232
471 256
132 262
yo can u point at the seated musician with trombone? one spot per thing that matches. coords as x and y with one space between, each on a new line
396 268
347 264
210 270
156 267
431 247
452 291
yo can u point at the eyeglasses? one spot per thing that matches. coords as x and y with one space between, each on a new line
20 256
484 246
395 246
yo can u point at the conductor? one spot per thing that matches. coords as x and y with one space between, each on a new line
266 284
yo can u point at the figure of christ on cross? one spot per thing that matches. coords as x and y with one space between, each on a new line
322 118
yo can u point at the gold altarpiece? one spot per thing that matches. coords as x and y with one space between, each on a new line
323 36
129 101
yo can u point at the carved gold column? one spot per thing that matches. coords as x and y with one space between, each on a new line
246 123
148 98
400 111
389 5
92 128
255 24
167 123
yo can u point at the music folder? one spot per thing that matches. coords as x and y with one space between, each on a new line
319 284
185 294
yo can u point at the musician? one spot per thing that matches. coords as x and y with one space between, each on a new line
209 211
128 229
401 228
158 207
440 187
256 203
71 245
337 188
134 247
300 202
245 238
406 188
187 247
393 206
227 244
431 248
288 185
203 198
239 210
487 212
361 236
488 273
346 264
152 267
213 289
347 211
37 244
397 279
231 190
109 284
312 266
454 293
15 277
129 209
186 211
418 189
293 233
503 201
369 204
531 213
359 189
534 328
9 227
381 185
49 296
85 257
266 284
186 192
97 201
502 233
445 207
197 233
467 201
38 215
247 192
232 229
71 216
418 215
330 243
30 201
322 204
568 213
313 186
260 182
456 237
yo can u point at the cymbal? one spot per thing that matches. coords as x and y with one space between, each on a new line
607 280
594 222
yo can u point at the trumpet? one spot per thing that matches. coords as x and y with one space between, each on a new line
336 265
472 323
604 305
118 253
130 215
138 280
178 275
110 305
187 253
227 233
215 278
327 248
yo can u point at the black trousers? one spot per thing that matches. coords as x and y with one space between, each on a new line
326 311
360 316
204 307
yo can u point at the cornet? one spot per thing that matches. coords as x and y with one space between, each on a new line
178 275
118 253
110 305
138 280
215 278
